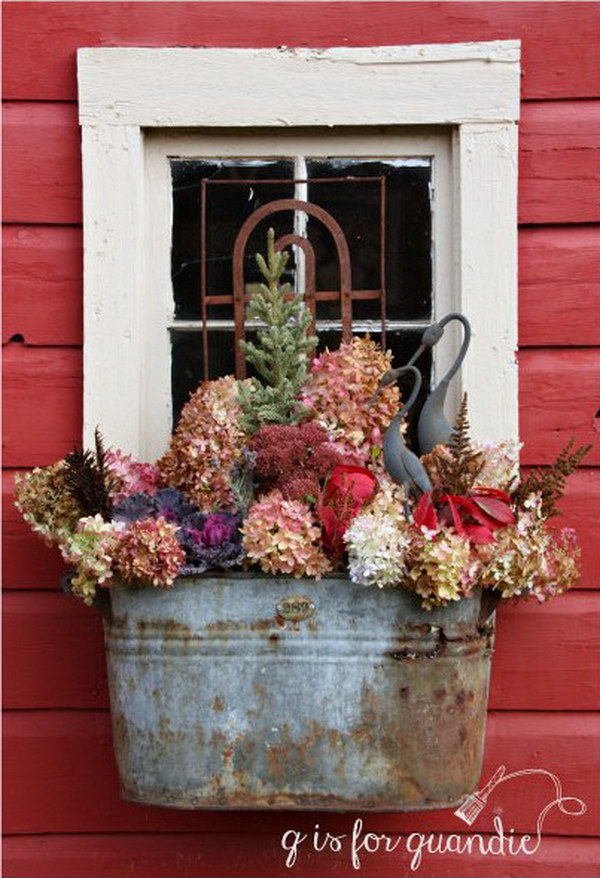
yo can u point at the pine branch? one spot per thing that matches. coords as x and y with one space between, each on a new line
550 482
460 468
280 353
88 480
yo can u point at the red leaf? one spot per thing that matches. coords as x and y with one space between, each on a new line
355 480
425 514
453 506
497 510
479 533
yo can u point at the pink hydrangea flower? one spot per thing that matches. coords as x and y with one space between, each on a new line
207 442
149 553
130 476
339 390
283 537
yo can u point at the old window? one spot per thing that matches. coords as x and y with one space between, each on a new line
389 192
435 123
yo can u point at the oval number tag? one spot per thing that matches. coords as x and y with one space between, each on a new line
295 608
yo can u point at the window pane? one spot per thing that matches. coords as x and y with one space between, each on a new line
187 360
356 207
187 363
227 206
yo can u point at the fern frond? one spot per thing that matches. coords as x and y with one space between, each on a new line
460 468
550 482
88 481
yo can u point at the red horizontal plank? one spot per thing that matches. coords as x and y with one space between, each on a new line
559 286
579 508
559 397
559 162
60 776
205 855
42 404
546 656
41 39
41 184
53 652
43 285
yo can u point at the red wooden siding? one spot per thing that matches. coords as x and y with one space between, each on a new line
202 855
560 57
63 815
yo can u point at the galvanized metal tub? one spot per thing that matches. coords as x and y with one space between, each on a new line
360 700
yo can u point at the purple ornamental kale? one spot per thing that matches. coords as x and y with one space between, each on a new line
172 505
211 541
168 502
134 508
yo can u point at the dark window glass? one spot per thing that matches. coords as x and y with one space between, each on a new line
227 206
357 207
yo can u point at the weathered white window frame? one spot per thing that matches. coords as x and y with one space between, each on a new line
123 92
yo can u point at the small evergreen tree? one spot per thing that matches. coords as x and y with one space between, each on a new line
280 354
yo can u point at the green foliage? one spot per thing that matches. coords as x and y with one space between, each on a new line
549 482
280 354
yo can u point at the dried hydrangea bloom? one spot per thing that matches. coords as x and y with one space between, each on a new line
149 554
91 551
500 464
529 559
379 540
44 502
442 568
339 389
130 476
283 537
207 442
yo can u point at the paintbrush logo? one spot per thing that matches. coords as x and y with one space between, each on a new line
474 804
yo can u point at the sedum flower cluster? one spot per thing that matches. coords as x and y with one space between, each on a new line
207 442
294 459
282 536
339 389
